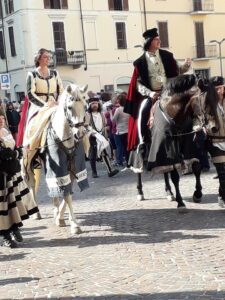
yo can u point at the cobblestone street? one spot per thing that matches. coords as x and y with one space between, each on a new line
129 249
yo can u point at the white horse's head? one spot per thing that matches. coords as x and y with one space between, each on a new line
72 110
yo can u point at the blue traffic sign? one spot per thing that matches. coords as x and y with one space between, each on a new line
5 78
5 81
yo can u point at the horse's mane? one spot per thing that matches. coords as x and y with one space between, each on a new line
177 98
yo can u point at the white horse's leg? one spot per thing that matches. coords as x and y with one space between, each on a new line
56 204
59 212
74 227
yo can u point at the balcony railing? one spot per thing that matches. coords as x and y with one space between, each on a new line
63 57
202 6
204 51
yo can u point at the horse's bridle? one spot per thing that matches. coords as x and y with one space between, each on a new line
68 117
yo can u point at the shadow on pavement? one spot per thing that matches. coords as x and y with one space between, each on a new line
31 231
183 295
206 199
17 280
144 226
12 256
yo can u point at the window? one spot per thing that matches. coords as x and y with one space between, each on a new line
121 35
12 41
163 33
2 50
118 5
9 7
60 43
56 4
200 41
202 73
1 15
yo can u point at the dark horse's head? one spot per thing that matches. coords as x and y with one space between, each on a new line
212 90
177 98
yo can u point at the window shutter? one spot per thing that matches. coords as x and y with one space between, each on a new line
111 4
12 41
6 7
125 5
2 50
200 41
121 35
64 4
11 6
197 5
1 15
163 33
47 4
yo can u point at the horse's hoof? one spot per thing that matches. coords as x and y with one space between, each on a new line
197 197
140 197
182 210
171 198
221 202
36 216
60 222
76 230
197 200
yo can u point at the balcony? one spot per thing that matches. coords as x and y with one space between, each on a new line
62 57
202 7
204 52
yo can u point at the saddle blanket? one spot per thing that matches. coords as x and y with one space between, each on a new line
62 169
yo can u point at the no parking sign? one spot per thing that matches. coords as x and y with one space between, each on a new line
5 81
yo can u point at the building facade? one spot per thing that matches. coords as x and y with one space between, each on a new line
96 41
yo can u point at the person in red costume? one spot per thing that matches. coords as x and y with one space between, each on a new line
151 72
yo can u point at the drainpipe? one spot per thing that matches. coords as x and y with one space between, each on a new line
82 27
145 17
3 33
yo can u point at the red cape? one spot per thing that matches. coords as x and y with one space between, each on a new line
132 106
22 123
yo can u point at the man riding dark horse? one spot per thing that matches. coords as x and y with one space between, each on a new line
151 72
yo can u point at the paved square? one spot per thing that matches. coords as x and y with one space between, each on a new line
129 249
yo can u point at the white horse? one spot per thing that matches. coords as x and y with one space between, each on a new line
64 142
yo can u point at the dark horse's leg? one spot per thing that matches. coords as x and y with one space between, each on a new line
220 168
140 195
196 168
144 135
175 177
169 193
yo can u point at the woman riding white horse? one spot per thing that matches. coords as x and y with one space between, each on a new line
63 152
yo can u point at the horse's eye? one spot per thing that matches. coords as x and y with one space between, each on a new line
69 107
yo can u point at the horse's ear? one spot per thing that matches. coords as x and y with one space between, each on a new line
69 88
84 88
